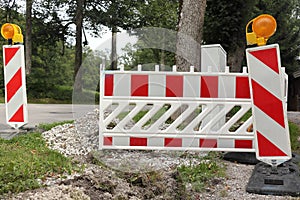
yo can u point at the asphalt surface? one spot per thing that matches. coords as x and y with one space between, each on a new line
44 113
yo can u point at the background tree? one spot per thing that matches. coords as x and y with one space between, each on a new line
157 14
225 23
28 36
113 14
288 28
80 6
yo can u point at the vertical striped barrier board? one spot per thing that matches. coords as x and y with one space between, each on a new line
268 105
15 86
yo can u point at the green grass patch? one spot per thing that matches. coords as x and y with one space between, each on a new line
294 135
199 176
47 101
47 127
26 158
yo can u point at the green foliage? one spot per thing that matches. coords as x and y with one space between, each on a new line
113 14
153 46
26 158
294 137
225 24
288 29
200 175
52 73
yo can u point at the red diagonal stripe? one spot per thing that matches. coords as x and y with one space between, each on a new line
14 85
268 103
18 116
10 53
268 57
267 148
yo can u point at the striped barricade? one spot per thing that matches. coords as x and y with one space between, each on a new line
15 86
269 105
136 109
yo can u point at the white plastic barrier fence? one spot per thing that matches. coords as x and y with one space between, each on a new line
136 108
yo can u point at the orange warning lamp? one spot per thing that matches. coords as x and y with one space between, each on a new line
12 33
263 27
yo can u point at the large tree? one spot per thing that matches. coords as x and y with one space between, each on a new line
189 36
28 36
80 4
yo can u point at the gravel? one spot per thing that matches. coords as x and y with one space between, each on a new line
80 140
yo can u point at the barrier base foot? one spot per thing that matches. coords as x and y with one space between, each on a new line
284 180
241 157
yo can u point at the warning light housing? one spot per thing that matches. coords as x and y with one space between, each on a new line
12 32
263 27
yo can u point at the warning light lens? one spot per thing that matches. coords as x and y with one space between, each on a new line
264 26
7 31
12 33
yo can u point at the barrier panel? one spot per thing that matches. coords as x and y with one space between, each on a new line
268 105
136 109
15 86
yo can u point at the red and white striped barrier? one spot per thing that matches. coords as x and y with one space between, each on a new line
15 85
126 94
268 105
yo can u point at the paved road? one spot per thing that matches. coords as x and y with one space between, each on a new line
45 113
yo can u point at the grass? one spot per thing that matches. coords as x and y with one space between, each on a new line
199 176
47 127
26 159
294 135
47 101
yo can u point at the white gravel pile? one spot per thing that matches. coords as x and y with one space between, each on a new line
76 139
82 137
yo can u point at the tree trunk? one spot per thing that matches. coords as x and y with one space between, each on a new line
235 59
78 46
28 35
114 58
189 36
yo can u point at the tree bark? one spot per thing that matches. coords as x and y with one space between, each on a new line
28 36
114 58
235 59
78 46
189 36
